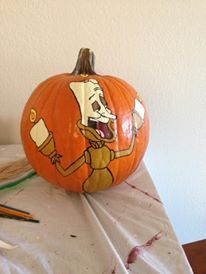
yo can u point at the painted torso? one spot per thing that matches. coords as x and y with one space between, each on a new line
99 158
101 177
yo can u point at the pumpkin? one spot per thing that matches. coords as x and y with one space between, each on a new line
83 131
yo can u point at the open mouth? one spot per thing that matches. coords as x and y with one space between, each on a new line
101 128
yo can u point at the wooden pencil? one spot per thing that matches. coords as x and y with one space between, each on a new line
14 212
18 218
9 207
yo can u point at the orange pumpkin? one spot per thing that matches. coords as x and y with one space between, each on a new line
83 131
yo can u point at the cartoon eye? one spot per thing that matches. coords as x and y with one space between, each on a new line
103 101
95 106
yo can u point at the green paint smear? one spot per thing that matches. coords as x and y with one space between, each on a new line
15 183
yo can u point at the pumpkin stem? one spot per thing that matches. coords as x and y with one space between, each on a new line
85 62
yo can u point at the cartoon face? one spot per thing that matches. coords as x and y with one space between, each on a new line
96 116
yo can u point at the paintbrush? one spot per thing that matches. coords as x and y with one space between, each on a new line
13 169
14 213
8 171
12 208
18 218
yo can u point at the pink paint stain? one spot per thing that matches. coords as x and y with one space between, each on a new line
114 270
144 192
137 250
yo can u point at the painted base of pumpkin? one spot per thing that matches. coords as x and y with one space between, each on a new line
94 183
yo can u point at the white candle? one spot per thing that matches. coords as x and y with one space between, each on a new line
39 132
139 109
138 114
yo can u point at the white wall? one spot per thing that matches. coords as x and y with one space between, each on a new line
157 46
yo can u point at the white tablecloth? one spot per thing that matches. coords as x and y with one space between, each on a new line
88 233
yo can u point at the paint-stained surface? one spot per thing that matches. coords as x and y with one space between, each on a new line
136 251
123 230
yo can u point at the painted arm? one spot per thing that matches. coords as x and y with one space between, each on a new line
46 145
70 169
128 151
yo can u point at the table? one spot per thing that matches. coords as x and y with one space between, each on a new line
122 230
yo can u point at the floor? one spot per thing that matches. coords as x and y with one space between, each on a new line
196 254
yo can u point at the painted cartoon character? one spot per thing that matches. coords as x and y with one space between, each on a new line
96 125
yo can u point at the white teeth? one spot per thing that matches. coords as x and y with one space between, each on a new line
101 133
93 119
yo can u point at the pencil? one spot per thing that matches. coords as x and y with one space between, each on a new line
14 212
18 218
9 207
